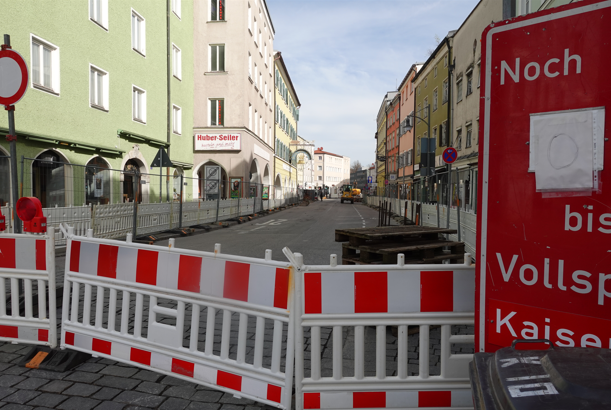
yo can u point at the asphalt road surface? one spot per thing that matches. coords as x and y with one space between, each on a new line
309 230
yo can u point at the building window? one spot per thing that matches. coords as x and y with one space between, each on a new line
217 112
444 135
469 82
255 78
419 112
98 88
434 137
249 19
459 90
320 157
138 33
249 65
320 178
445 60
176 6
458 142
98 12
139 104
320 167
256 123
468 139
426 104
176 62
45 66
426 81
217 10
419 146
217 58
435 99
444 96
250 116
479 73
177 119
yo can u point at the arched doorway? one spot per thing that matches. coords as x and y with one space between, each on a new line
212 181
5 178
49 172
254 188
97 182
278 187
130 189
177 186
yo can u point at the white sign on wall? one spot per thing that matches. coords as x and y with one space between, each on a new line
218 142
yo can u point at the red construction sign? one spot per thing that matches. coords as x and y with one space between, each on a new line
544 220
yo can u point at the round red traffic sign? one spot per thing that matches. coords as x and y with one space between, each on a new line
449 155
13 77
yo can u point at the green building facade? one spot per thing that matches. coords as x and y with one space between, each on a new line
110 83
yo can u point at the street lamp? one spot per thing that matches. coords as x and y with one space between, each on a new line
408 127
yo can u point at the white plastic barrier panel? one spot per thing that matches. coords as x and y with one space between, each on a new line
342 317
27 270
199 316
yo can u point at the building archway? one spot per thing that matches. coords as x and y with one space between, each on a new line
130 171
97 182
265 180
278 187
51 174
210 186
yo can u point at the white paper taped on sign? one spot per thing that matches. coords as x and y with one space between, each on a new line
566 147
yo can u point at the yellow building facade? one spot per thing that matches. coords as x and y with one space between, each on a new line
287 116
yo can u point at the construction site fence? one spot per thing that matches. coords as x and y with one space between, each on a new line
436 215
116 202
458 186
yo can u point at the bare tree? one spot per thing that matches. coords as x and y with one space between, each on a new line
437 41
356 166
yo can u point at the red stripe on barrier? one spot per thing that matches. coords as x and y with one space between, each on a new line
274 393
436 291
140 356
363 399
146 268
370 292
75 256
311 400
41 254
107 261
236 281
43 335
189 273
229 380
70 337
281 288
183 367
434 399
101 346
312 292
9 331
7 253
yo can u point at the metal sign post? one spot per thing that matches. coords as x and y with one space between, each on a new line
13 86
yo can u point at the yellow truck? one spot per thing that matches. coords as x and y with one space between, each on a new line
350 194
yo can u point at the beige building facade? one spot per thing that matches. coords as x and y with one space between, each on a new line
233 105
331 171
285 130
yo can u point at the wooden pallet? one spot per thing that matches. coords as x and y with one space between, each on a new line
383 245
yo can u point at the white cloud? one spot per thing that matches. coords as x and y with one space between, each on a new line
344 55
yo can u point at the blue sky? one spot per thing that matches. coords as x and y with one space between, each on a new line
344 55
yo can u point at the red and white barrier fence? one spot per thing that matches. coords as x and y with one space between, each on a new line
142 304
351 299
27 271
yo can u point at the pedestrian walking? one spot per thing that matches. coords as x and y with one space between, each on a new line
320 193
